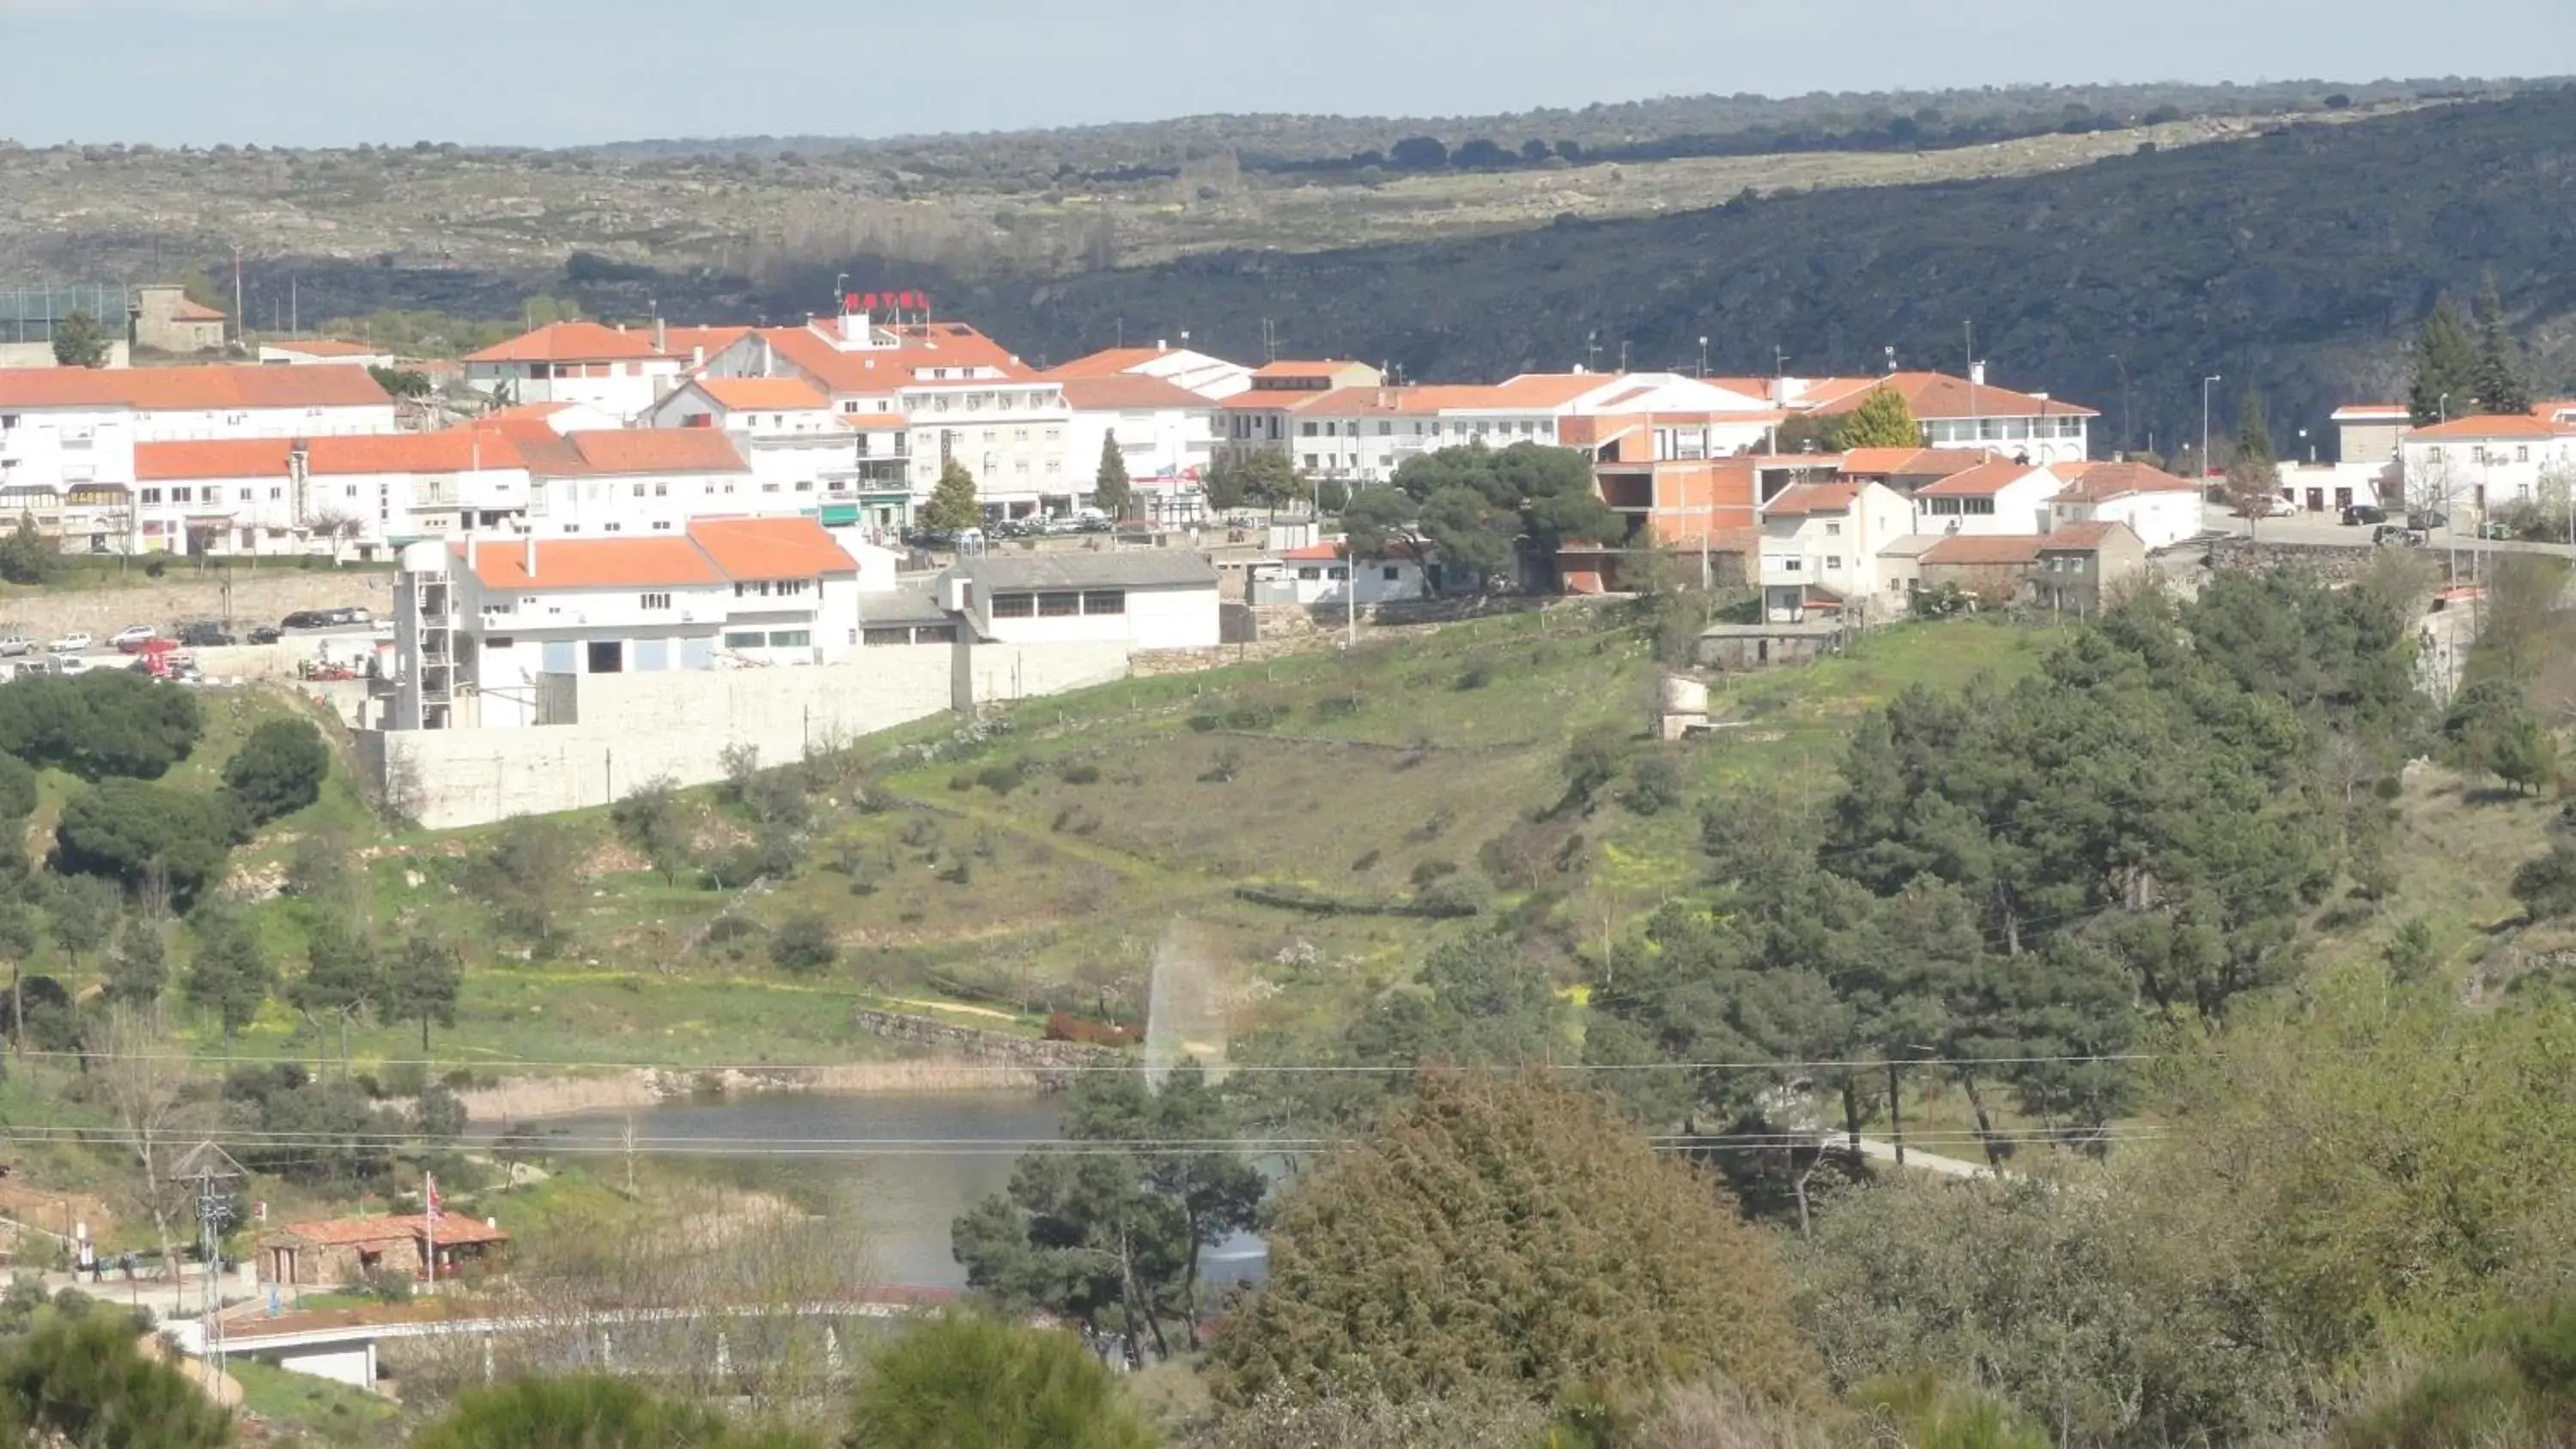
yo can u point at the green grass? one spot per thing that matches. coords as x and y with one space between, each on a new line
316 1408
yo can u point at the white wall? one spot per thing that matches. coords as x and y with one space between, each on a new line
630 388
1165 442
2021 510
1153 619
2160 520
1288 584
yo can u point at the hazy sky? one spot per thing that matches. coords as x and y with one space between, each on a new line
559 72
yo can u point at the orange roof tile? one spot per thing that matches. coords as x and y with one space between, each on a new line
602 452
457 450
1261 400
453 1228
777 394
1973 549
1108 362
1549 389
592 563
2491 425
187 311
684 342
570 342
1129 392
2094 482
875 422
147 389
2080 537
771 548
1315 367
1983 481
1878 461
1939 395
1800 499
919 349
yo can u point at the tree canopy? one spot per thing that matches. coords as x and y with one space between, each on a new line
2444 382
81 1380
2253 473
79 341
1487 509
952 507
1111 492
278 770
1510 1230
108 722
138 833
1883 420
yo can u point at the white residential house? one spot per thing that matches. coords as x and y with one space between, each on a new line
1143 598
1990 499
2371 432
2469 467
724 593
1961 412
1363 434
340 496
1212 378
646 481
850 468
1320 574
621 373
1166 435
1820 549
962 396
2161 509
325 352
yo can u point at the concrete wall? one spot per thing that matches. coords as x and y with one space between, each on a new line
257 598
629 728
41 354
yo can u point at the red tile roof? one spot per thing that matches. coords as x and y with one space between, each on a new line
919 349
775 394
1983 481
611 452
457 450
2094 482
1317 367
1972 550
1801 499
453 1228
187 311
1108 362
771 548
2491 425
592 563
148 389
1129 392
1913 462
685 341
1939 395
570 342
2081 537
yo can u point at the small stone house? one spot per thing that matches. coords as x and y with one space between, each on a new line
339 1252
2082 564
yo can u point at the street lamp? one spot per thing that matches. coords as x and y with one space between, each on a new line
1703 359
2124 402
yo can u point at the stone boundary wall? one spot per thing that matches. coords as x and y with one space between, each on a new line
1053 1063
2334 563
184 594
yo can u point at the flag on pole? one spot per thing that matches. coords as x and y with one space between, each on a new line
429 1190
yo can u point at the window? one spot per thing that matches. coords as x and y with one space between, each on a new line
1015 606
1386 429
612 528
1310 462
1833 530
1390 573
151 495
893 634
661 490
1314 573
275 493
1306 430
1059 606
791 639
657 601
639 490
661 525
2522 452
182 495
1833 561
1104 601
749 639
1792 565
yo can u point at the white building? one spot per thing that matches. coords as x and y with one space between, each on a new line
2469 467
1143 599
1996 498
643 481
482 625
1166 435
341 496
851 467
325 352
74 431
1958 412
1212 378
1320 574
619 372
2161 509
1820 549
961 395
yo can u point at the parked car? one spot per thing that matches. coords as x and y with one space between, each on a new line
69 644
133 637
2364 513
350 615
266 634
305 619
15 645
72 664
2397 533
204 634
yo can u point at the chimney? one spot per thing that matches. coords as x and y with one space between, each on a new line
698 356
528 561
299 460
1162 346
661 336
1977 374
473 546
854 328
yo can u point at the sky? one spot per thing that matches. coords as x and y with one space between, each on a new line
576 72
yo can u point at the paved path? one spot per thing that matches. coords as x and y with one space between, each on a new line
1916 1158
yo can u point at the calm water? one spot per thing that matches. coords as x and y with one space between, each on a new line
908 1195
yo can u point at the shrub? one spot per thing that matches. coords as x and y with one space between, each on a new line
1003 779
129 831
803 945
1654 784
1084 773
1475 676
961 1381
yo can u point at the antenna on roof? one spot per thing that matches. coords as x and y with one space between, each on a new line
1891 359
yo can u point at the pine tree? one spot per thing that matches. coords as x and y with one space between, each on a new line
231 975
2501 387
80 342
2253 476
2445 383
1111 492
1881 421
952 506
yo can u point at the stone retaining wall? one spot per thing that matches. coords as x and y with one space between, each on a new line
1051 1062
2334 563
184 594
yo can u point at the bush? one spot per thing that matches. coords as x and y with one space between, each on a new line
1475 676
1084 773
969 1383
1654 784
278 770
2547 886
109 722
803 945
584 1413
1003 779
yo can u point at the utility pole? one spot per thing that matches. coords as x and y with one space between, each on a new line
1703 359
2124 402
241 320
1975 420
208 1169
2206 384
